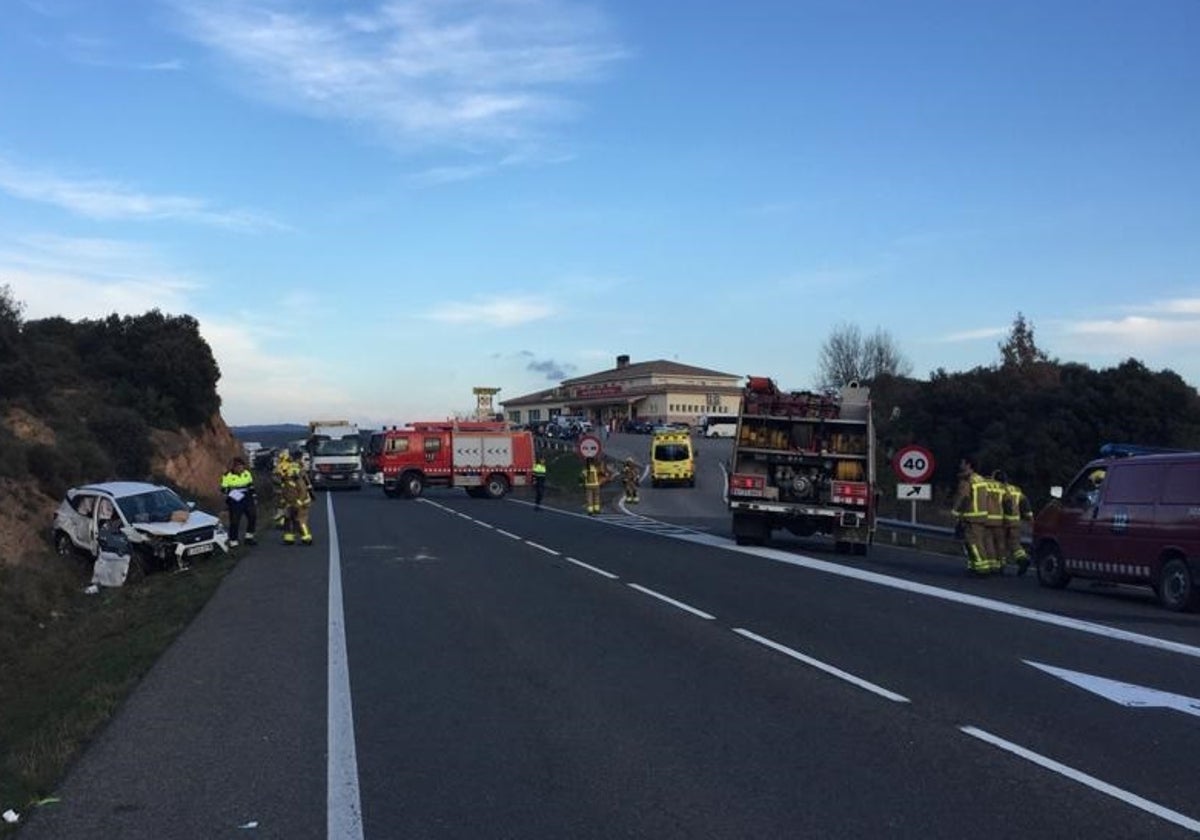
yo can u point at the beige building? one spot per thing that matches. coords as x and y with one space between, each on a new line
656 392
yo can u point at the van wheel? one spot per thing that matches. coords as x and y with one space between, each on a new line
1051 570
1177 589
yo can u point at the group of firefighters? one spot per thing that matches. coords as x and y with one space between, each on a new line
990 512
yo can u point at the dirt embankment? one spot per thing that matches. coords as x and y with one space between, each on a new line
192 459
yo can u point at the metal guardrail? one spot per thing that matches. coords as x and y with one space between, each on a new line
916 528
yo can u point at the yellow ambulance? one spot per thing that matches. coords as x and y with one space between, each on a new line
672 459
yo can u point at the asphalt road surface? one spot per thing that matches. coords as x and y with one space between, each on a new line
480 669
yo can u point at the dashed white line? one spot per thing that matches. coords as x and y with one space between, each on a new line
483 524
1125 796
532 544
508 534
822 666
343 805
583 565
672 602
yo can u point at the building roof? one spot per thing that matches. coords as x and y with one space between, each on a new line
635 370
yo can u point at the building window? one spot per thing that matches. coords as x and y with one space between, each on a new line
514 416
535 414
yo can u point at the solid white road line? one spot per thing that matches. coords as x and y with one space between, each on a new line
532 544
509 534
672 602
822 666
485 525
583 565
343 805
1084 779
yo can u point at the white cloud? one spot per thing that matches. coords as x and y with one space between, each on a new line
422 72
1138 331
493 312
108 200
975 335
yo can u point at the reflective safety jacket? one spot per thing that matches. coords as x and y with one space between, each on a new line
294 490
970 503
591 476
993 501
539 472
1016 504
232 482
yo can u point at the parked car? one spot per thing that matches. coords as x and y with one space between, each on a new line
163 530
639 427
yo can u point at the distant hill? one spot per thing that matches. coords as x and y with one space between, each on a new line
270 436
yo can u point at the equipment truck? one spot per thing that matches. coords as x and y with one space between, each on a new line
334 454
804 462
486 458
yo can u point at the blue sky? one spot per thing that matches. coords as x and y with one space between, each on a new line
372 206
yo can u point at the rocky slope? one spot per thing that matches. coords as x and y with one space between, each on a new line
192 459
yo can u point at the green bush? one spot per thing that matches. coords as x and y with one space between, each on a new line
125 436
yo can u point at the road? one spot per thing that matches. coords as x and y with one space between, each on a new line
482 669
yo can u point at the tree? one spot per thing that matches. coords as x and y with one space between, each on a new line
10 323
847 356
1020 350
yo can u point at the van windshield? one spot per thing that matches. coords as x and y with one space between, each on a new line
671 452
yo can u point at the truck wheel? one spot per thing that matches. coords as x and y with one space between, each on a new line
411 484
1177 590
496 487
1051 570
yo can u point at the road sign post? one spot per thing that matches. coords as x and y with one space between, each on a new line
588 446
913 466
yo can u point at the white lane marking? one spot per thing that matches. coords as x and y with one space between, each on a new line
1090 781
483 524
947 595
343 804
463 515
672 602
822 666
725 487
507 533
539 547
1125 694
583 565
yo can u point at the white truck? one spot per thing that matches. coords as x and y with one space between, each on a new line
334 454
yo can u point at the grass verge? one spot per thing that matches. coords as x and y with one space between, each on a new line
69 659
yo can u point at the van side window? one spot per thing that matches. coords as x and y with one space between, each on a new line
1132 484
1182 485
397 445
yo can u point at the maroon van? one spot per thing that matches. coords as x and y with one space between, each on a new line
1127 520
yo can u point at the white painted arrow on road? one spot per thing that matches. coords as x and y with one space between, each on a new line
1126 694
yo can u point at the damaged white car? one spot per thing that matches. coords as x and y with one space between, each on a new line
161 529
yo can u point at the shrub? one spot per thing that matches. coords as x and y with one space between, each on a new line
125 436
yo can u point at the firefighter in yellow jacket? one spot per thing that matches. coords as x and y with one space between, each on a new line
591 477
994 524
970 506
295 495
629 478
1016 511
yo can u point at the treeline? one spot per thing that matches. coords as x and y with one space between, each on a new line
100 386
1036 418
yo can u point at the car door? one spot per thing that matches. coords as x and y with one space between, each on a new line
83 521
1123 526
1073 525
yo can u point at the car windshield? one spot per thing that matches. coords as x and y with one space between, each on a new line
335 446
153 506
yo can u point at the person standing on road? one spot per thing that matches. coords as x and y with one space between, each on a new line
970 507
591 477
629 477
539 482
296 496
994 523
1016 511
238 486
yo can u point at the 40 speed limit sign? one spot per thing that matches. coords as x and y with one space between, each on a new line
913 464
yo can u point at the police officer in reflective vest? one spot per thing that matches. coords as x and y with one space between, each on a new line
539 483
1016 511
970 506
238 486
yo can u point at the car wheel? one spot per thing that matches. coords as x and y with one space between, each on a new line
63 546
1177 589
1051 570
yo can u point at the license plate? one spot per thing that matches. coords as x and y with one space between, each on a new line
199 549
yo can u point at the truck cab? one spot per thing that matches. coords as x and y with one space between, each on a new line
335 455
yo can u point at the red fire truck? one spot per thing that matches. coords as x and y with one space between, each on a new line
486 458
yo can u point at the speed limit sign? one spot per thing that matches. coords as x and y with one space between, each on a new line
913 464
588 446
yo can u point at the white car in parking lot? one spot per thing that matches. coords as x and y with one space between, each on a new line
162 529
